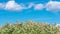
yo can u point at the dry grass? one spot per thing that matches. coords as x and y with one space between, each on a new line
29 28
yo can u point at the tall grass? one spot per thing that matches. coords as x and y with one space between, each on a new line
29 28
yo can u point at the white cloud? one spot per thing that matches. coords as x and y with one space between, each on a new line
31 5
2 5
11 5
53 6
38 6
57 25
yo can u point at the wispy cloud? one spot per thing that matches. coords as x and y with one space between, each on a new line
2 5
38 6
31 5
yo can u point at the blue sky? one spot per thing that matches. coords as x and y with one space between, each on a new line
35 10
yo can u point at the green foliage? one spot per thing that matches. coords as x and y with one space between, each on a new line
29 28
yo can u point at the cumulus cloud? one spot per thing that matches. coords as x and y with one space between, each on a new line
53 6
38 6
11 5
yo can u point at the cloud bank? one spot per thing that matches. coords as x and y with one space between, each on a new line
49 6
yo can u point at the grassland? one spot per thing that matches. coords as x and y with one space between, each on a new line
29 28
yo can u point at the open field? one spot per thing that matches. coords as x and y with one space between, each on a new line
29 28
